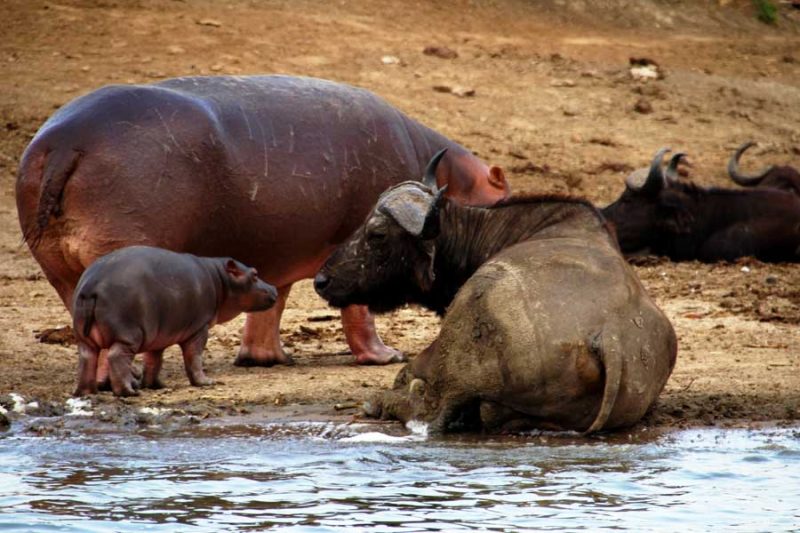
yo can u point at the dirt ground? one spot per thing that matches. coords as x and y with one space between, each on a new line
553 103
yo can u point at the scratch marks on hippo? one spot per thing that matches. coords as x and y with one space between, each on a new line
247 122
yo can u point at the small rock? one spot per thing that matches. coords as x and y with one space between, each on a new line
643 68
463 92
86 68
442 88
562 83
209 22
570 111
643 106
441 52
745 269
789 59
390 60
216 67
771 280
175 49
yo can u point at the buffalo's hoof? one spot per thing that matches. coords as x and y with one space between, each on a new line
372 408
247 358
387 357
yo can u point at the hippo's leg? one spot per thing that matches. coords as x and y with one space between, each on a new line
87 369
120 357
103 379
366 345
151 369
193 358
261 341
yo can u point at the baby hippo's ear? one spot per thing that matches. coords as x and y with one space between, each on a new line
233 270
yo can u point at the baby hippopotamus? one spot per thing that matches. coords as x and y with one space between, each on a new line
144 299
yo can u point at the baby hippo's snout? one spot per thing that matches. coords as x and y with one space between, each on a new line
266 295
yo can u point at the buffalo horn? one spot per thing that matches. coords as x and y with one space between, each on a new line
430 171
745 180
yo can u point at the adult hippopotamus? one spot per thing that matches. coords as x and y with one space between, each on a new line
272 170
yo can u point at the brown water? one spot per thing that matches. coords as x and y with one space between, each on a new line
322 476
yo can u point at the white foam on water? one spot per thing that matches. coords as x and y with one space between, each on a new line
19 403
78 407
155 411
419 432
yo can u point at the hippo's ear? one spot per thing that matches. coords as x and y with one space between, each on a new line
497 178
233 270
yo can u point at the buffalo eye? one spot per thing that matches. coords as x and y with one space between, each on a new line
375 231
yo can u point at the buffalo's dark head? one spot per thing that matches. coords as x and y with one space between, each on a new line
649 205
389 259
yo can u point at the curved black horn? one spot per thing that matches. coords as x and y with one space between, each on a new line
655 178
672 167
745 180
430 171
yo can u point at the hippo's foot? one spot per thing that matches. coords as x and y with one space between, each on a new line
126 388
260 357
383 355
85 390
153 383
201 381
104 381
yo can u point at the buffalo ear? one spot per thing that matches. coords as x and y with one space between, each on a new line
414 210
423 270
497 178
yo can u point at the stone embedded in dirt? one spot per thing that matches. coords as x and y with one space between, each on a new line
563 83
643 106
643 68
209 22
517 155
391 60
462 92
570 111
216 67
175 49
441 52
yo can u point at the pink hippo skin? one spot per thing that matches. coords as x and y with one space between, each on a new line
273 170
141 299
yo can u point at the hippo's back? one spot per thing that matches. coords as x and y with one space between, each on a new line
272 170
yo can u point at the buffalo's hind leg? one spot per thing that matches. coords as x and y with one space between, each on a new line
261 340
87 369
193 359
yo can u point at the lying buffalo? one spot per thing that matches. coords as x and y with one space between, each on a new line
777 177
272 170
661 214
546 324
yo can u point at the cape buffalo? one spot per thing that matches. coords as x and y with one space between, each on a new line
546 325
777 177
272 170
659 213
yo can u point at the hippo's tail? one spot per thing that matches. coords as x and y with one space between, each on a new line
46 174
606 345
83 313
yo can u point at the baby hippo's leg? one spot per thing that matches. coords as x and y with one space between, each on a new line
152 367
193 358
103 378
120 358
87 370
